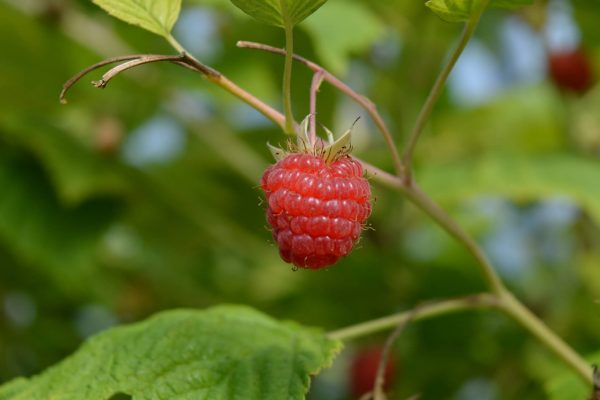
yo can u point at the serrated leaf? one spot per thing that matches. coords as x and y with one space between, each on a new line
226 352
157 16
524 178
570 386
461 10
279 12
335 35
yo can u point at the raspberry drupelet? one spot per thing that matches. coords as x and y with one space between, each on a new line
316 209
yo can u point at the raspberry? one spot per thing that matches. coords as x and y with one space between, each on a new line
571 70
363 370
316 209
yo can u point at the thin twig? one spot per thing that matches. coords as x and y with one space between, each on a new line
147 59
75 78
187 61
378 391
431 208
425 311
314 89
364 102
436 91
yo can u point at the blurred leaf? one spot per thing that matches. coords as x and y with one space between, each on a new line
279 12
157 16
519 178
77 172
335 34
221 353
529 119
569 386
461 10
59 241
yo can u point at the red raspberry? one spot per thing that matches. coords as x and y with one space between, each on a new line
317 210
571 70
363 371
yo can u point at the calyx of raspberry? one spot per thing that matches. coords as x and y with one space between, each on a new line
317 202
329 150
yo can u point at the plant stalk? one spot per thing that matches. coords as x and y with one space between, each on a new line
546 336
437 90
425 311
426 204
287 79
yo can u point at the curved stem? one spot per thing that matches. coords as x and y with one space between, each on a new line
437 89
517 311
421 200
222 81
422 312
364 102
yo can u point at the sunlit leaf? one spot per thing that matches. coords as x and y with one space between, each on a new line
279 12
226 352
156 16
461 10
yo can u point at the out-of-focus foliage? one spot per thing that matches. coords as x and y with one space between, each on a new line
124 202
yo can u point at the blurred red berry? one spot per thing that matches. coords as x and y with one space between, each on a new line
570 70
363 371
316 209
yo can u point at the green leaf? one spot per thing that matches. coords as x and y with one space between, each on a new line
279 12
226 352
570 386
335 35
156 16
521 178
461 10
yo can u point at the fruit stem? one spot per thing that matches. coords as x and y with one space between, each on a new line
287 76
363 101
314 89
437 89
422 312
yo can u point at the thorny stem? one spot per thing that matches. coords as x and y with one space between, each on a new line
344 88
437 89
314 89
